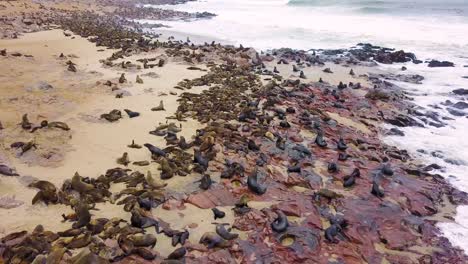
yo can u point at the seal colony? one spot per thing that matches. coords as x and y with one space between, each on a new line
279 167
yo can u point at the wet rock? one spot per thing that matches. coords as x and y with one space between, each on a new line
389 58
436 63
378 94
460 105
460 91
403 121
456 112
395 132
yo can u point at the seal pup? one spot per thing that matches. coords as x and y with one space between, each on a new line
212 240
280 224
139 220
155 150
160 107
177 254
78 185
205 182
71 67
133 145
122 78
83 215
124 160
320 141
154 183
47 192
131 113
218 213
376 189
25 124
341 144
332 167
302 75
331 232
7 171
139 79
253 184
224 233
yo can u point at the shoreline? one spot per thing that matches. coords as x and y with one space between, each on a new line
298 184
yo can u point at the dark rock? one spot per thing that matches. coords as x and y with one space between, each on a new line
460 91
389 58
436 63
460 105
456 112
395 132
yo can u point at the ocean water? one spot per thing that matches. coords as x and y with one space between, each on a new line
432 29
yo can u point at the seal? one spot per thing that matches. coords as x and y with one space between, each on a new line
342 86
141 221
302 75
122 78
7 171
139 79
222 232
332 167
280 224
154 183
131 113
112 116
78 185
349 181
212 240
47 192
376 190
343 156
218 213
253 184
251 145
83 215
124 160
341 144
133 145
331 232
25 124
199 159
387 170
320 141
178 253
160 107
155 150
205 182
146 240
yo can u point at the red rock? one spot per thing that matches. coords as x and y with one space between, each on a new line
216 196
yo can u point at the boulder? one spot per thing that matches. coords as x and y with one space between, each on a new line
436 63
460 91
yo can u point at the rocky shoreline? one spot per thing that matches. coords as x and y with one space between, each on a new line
253 159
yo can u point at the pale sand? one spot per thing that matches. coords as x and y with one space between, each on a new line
79 101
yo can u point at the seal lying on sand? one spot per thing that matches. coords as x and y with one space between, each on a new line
160 107
7 171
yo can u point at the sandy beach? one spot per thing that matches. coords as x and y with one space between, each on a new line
58 75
